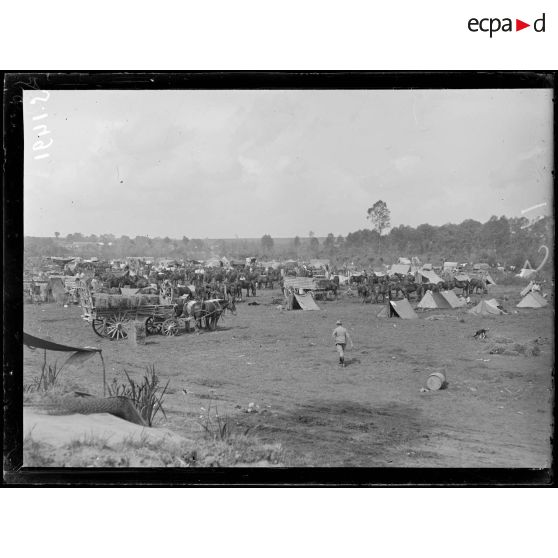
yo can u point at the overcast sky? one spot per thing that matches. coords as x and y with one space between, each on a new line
218 164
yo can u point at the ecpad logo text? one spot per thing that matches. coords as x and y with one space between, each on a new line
493 25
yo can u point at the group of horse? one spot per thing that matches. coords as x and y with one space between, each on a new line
205 313
209 283
373 288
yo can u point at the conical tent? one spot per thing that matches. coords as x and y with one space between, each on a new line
483 308
433 300
303 302
532 300
489 280
398 309
403 309
452 299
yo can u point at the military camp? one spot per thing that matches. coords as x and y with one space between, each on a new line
288 280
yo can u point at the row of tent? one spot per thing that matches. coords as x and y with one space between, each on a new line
403 309
431 276
442 300
448 299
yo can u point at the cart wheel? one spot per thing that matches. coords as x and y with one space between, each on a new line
170 327
152 327
117 326
99 326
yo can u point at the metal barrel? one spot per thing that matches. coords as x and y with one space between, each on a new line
436 381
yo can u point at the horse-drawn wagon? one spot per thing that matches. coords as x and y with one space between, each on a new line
112 316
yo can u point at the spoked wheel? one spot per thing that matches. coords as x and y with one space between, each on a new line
99 326
117 326
153 327
170 327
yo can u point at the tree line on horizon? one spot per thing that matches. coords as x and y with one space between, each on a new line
500 240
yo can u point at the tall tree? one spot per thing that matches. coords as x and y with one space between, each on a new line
267 243
296 244
379 216
329 244
314 246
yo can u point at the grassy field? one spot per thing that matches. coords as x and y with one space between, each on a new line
272 376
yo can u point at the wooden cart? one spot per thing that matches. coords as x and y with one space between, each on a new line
114 323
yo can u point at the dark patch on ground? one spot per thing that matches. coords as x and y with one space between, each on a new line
349 433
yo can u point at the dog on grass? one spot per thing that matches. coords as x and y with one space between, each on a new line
481 334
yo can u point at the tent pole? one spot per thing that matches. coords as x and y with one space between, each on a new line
104 374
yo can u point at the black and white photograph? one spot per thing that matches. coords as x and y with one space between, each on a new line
287 277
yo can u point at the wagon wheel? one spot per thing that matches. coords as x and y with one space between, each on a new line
152 327
170 327
99 326
117 326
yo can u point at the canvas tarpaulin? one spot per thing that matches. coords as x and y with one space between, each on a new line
430 276
38 343
305 302
306 283
81 354
127 291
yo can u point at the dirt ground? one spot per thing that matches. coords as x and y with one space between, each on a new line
274 374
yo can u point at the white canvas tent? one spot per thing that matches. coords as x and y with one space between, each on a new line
398 309
429 276
433 300
532 300
483 308
452 299
298 301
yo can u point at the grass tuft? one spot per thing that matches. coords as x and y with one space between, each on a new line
47 380
146 396
216 427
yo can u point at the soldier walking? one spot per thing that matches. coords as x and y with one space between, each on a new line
341 337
